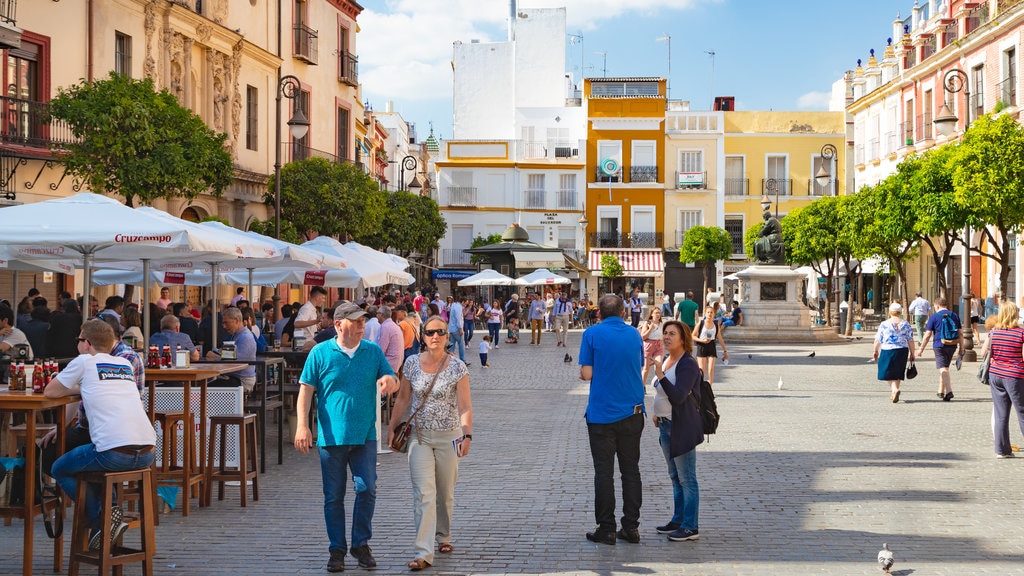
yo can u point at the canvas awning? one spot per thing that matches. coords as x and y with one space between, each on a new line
635 263
534 260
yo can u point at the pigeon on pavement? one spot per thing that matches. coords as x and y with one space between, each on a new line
885 558
567 358
811 355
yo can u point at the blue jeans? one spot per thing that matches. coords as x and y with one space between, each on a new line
683 471
457 340
85 458
362 460
494 329
467 330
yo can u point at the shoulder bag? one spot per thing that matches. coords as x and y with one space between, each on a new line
400 438
986 360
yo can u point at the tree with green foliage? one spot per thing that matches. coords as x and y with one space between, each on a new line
812 234
611 269
705 245
483 241
877 226
138 143
988 176
412 223
266 227
320 197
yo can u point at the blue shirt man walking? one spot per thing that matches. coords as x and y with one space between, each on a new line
611 357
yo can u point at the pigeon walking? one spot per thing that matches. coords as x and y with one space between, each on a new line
780 382
811 355
567 358
885 558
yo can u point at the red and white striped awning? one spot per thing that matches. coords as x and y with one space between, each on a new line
636 263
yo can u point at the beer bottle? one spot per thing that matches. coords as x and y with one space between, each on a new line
37 378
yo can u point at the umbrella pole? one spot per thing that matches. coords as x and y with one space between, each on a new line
146 320
254 304
214 307
87 282
14 299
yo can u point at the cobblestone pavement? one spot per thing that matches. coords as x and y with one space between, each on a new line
809 479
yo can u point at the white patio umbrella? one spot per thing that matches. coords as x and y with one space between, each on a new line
540 277
110 277
488 277
392 259
371 271
342 278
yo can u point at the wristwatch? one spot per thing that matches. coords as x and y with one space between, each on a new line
469 436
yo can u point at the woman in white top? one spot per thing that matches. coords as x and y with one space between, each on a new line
650 331
893 349
706 336
494 319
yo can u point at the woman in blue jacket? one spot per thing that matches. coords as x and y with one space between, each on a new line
679 424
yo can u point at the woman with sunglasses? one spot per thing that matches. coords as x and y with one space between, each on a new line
442 432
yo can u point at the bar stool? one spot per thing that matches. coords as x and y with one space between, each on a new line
113 554
248 461
16 435
169 472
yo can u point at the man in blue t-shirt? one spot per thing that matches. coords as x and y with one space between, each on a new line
611 357
345 373
943 351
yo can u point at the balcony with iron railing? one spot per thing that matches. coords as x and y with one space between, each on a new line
891 142
1008 91
348 68
928 47
907 133
910 60
534 199
975 18
461 195
7 11
567 200
691 180
925 129
600 176
1004 5
737 186
626 240
454 257
783 186
874 152
858 154
815 189
550 149
643 173
977 104
305 45
298 150
23 125
950 33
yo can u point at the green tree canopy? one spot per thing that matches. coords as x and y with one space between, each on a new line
988 175
412 223
319 197
611 269
937 215
705 245
266 227
483 241
139 143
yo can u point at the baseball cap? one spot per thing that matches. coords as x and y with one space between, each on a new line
349 311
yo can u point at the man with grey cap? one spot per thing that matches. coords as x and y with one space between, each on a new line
345 374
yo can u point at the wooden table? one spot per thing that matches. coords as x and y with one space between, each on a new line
31 404
201 374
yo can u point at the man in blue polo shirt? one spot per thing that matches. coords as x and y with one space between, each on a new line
944 351
611 357
345 374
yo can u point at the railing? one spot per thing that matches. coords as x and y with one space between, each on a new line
567 200
783 186
1004 5
891 142
975 18
305 47
1008 91
815 189
600 176
907 133
462 195
299 151
737 186
874 151
858 154
7 11
549 149
454 256
348 68
928 48
533 198
924 126
911 59
22 125
533 149
950 34
643 173
977 104
626 240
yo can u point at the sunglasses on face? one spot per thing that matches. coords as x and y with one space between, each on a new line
80 339
435 332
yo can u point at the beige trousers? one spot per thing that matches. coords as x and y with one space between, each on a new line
434 469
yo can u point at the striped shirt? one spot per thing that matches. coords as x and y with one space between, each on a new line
1005 345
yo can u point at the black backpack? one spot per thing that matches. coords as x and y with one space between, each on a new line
706 408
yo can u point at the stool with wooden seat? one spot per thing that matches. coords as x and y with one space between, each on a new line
169 472
16 437
113 554
248 461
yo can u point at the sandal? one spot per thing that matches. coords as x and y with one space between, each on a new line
418 564
445 548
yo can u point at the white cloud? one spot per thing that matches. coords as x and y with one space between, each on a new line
813 100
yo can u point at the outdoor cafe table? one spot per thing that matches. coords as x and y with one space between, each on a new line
31 404
201 374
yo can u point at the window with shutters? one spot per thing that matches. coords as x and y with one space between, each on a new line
685 220
736 176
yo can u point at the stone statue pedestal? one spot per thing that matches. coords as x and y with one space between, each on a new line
772 309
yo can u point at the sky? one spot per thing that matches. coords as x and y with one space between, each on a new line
768 54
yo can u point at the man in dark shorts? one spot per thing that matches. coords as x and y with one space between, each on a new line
944 353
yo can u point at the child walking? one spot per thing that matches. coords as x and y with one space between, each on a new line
485 347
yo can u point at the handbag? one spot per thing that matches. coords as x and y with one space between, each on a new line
986 360
400 437
912 371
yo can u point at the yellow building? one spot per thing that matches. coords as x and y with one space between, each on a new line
626 173
777 154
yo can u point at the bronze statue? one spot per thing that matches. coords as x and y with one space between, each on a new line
769 247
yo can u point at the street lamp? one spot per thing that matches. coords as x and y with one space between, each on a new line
954 82
288 87
823 178
408 163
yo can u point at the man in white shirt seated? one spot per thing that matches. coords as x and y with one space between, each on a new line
9 335
122 435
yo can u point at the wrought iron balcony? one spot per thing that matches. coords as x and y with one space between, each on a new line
306 42
784 186
643 173
348 68
626 240
23 125
737 186
461 195
567 200
454 257
534 199
7 11
600 176
1008 91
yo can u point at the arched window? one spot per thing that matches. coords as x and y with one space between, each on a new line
190 214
